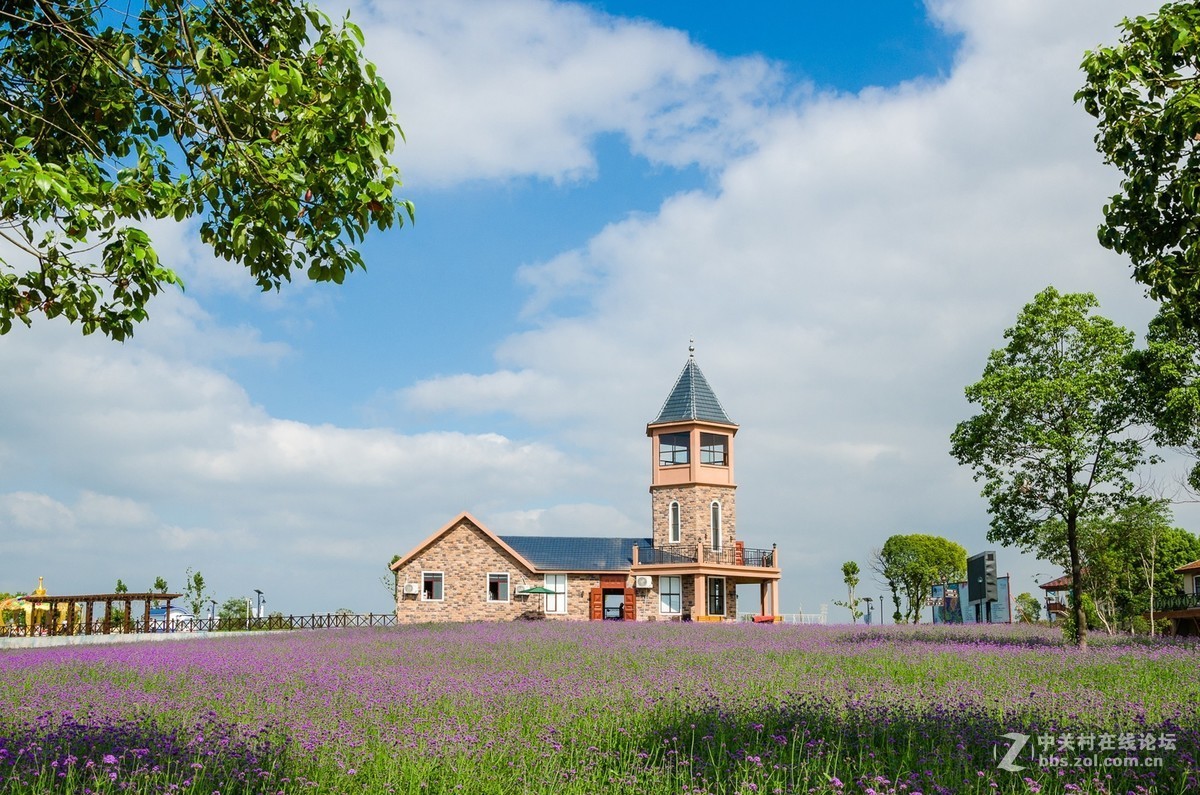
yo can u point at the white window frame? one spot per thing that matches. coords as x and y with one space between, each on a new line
663 607
716 526
441 574
674 523
560 596
507 586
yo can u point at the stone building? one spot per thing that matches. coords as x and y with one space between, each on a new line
688 569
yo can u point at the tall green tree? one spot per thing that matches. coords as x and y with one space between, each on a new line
259 118
1143 93
1168 370
913 564
1056 436
850 576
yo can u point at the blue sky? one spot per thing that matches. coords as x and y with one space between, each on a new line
844 205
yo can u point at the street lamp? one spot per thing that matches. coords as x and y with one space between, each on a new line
212 609
868 600
258 603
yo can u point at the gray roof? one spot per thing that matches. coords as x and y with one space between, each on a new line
692 399
572 553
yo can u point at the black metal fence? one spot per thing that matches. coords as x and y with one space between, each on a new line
282 623
658 555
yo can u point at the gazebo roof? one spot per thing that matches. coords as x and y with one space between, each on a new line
140 596
1062 583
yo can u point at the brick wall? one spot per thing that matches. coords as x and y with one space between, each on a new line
465 556
695 515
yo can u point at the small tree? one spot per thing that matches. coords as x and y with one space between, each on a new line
850 577
1029 609
234 613
912 564
193 591
160 586
1056 433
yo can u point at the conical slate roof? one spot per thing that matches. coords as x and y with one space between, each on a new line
692 399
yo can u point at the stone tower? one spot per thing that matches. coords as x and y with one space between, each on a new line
692 485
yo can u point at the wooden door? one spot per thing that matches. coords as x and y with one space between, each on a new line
597 604
739 553
630 605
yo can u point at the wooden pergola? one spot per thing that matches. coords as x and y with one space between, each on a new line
88 625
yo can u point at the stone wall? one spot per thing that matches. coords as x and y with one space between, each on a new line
694 515
465 555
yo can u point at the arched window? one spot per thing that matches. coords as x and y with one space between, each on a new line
716 524
673 524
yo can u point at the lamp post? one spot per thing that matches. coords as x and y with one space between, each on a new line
258 603
212 609
868 600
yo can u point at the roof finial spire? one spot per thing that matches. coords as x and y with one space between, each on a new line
692 348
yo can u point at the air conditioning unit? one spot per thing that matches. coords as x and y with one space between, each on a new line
412 588
642 581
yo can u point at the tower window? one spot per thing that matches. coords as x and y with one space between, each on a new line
672 449
673 524
714 449
716 525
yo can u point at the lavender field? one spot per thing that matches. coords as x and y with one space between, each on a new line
591 708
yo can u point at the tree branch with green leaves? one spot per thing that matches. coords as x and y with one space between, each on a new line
259 118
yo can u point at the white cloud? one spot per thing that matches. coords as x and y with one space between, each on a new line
575 519
522 87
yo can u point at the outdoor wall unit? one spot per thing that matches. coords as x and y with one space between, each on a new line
642 581
412 588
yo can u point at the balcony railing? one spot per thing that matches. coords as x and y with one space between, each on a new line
1187 601
659 555
732 556
741 556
